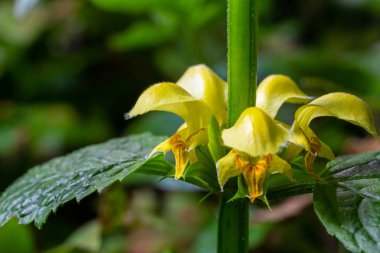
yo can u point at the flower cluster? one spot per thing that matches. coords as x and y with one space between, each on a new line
257 136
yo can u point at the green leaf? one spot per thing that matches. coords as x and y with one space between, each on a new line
126 6
203 172
241 192
16 238
46 187
87 238
258 233
347 201
132 6
141 35
215 145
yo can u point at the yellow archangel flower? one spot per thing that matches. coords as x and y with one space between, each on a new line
197 96
340 105
257 136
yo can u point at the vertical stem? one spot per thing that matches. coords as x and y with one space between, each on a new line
242 80
242 56
233 225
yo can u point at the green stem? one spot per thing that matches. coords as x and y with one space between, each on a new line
233 225
242 81
242 56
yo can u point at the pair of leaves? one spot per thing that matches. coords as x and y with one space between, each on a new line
347 200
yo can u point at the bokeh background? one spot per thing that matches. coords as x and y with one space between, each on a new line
70 69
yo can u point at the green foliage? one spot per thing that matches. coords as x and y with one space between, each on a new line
203 172
167 19
46 129
347 201
44 188
166 24
140 35
59 54
87 238
16 238
258 233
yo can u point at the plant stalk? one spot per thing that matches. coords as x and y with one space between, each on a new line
233 225
242 22
242 35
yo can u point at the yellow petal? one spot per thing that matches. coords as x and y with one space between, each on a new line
202 83
164 147
172 98
193 156
192 139
291 151
341 105
325 151
278 165
308 140
255 176
255 133
275 90
196 138
227 167
181 158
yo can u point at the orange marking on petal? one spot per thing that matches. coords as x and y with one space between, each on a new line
181 157
195 133
255 176
310 156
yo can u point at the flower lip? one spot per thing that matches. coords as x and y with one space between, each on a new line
255 133
254 170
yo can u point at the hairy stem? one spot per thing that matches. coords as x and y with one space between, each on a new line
242 81
242 56
233 225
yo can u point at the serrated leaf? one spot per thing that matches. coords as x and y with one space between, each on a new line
46 187
348 201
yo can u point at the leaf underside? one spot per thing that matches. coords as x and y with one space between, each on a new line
44 188
348 202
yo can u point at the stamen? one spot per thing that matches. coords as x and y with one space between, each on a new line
195 133
315 145
181 158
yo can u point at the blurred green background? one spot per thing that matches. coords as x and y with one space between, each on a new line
70 69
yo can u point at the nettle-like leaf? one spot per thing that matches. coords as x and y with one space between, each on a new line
44 188
348 201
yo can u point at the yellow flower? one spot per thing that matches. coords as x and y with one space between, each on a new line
340 105
196 97
256 136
